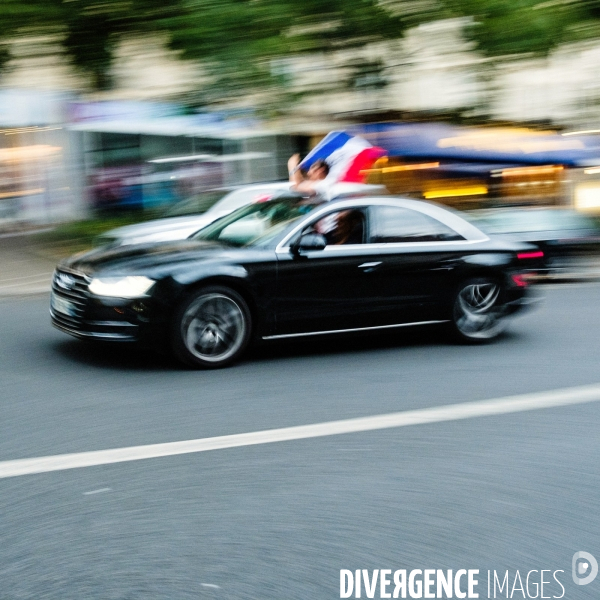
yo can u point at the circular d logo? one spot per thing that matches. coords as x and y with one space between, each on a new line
585 568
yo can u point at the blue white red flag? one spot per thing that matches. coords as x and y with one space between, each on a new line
346 155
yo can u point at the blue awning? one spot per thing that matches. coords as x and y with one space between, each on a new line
484 144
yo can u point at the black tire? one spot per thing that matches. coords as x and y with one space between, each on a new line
211 328
478 313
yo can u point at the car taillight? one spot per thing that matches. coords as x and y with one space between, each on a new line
526 255
520 280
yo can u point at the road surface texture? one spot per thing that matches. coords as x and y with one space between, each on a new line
517 490
25 267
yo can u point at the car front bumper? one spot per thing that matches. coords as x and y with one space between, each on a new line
75 311
110 331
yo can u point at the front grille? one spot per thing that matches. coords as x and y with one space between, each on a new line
73 287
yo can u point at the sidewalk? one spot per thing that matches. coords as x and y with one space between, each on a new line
24 269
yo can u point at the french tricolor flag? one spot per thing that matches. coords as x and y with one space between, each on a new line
346 155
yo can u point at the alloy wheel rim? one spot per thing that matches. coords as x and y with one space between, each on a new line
477 314
213 327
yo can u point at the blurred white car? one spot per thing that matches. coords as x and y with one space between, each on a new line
569 240
182 219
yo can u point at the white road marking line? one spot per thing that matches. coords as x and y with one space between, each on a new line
22 278
23 284
100 491
24 291
436 414
211 585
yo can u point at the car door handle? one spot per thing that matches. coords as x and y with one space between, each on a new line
369 266
447 265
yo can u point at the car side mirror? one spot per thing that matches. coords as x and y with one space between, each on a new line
309 242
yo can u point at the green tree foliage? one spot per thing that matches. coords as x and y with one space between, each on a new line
513 27
89 29
235 38
239 41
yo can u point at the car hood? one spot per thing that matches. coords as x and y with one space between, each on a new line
159 230
144 259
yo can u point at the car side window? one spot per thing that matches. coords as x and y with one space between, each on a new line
393 224
342 227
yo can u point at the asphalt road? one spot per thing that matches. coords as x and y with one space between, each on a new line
278 521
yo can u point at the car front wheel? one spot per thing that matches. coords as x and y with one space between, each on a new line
211 328
478 313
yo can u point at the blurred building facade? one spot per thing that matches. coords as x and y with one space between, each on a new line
65 151
39 176
63 159
431 69
434 70
147 154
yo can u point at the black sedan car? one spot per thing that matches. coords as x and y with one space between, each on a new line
295 267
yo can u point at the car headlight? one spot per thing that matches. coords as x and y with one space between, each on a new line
121 287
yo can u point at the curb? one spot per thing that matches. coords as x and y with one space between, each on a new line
13 234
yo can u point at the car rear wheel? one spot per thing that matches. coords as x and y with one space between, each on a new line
478 313
211 328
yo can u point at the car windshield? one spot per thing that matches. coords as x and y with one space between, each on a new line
258 223
240 198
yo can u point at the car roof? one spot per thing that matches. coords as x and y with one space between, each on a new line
275 185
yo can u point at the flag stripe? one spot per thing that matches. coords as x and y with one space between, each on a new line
346 156
342 158
364 160
329 144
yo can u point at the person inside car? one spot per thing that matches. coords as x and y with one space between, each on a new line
343 227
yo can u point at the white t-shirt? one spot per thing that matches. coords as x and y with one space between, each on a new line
324 187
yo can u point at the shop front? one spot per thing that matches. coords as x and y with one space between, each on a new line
467 167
